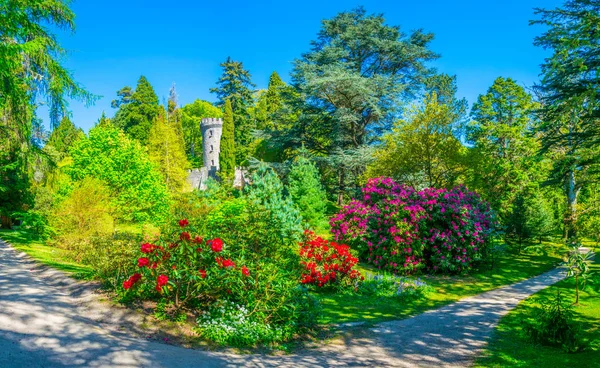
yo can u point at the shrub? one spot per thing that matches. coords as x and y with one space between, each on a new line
327 263
304 186
138 193
85 212
553 324
401 230
194 272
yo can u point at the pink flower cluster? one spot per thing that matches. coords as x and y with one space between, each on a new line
397 228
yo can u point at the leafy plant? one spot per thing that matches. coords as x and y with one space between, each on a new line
578 266
553 324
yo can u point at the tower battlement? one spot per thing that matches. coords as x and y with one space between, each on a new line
211 121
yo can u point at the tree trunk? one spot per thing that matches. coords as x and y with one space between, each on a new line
576 289
570 219
6 222
342 187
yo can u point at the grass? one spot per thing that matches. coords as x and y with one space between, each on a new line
510 347
509 268
47 255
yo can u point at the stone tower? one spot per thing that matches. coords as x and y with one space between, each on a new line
211 128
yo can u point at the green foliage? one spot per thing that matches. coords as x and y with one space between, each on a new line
31 74
228 148
553 324
569 98
350 84
166 150
191 115
422 150
531 217
137 190
137 110
236 86
503 159
62 137
578 267
305 189
84 212
267 203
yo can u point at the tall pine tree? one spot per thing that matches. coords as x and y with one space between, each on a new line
227 156
137 110
236 86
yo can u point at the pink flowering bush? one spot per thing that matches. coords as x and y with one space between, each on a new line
397 228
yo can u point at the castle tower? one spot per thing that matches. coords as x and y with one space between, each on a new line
211 128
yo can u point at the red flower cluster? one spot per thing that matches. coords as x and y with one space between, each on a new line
216 245
161 281
326 262
183 223
225 263
202 273
185 236
143 262
127 284
245 271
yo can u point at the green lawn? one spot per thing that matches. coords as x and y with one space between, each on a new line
51 256
510 268
509 346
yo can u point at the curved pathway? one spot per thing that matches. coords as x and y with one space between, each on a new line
48 320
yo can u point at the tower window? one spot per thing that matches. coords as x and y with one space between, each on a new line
210 133
212 162
211 148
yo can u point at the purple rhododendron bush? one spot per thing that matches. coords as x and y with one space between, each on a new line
402 230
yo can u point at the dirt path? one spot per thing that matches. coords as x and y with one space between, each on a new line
46 320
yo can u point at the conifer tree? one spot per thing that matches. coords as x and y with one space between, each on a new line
63 137
235 85
227 156
137 110
306 190
165 149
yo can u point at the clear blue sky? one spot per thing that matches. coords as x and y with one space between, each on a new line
183 41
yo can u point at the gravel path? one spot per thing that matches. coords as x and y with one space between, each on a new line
47 320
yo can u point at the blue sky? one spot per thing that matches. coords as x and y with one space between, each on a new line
184 41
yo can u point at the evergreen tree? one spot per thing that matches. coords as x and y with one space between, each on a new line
268 203
191 115
236 86
63 137
31 72
227 155
504 158
137 110
350 84
165 149
570 98
307 192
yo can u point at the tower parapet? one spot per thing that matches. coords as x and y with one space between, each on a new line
212 129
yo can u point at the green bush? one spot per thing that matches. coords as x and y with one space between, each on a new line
553 324
84 213
306 190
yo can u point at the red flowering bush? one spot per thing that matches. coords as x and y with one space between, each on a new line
184 269
402 230
326 263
